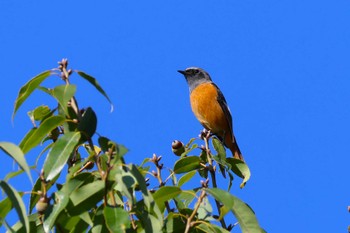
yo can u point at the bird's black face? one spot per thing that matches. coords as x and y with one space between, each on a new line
192 71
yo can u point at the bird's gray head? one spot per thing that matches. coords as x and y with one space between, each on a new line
195 76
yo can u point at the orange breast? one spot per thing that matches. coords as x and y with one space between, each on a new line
207 109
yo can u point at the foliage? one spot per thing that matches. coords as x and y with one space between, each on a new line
99 192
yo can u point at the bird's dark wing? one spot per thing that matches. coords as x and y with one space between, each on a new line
222 101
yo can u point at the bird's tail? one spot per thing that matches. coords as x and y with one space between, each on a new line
233 146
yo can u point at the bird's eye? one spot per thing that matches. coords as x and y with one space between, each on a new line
195 71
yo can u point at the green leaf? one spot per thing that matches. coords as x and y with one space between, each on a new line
11 175
185 178
185 198
175 223
117 219
164 194
94 82
16 153
88 123
83 193
5 207
147 196
187 164
63 94
39 113
85 216
244 214
219 148
99 221
36 135
221 156
205 210
210 228
28 88
240 169
59 154
17 202
62 200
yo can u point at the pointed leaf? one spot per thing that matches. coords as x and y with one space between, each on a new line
28 88
59 154
5 207
62 200
187 164
240 168
117 219
244 214
36 135
88 123
185 178
164 194
16 153
94 82
11 175
17 202
63 94
85 192
217 144
39 113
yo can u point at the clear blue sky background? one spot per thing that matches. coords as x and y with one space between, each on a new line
282 65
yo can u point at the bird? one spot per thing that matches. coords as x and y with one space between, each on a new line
210 107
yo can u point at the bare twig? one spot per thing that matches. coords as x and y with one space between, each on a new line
212 175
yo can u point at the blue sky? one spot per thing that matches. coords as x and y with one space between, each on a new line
282 65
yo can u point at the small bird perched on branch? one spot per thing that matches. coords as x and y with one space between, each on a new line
210 107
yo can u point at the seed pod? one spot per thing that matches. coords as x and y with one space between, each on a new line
177 147
42 205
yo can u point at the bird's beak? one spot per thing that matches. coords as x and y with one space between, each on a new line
181 72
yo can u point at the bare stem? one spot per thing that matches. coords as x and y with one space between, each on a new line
189 220
213 177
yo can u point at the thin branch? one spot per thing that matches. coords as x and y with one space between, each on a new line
189 220
213 177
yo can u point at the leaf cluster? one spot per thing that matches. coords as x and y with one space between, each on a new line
85 185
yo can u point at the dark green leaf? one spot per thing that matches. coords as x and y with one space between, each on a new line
17 203
16 153
63 94
117 219
244 214
28 88
59 154
240 169
217 144
164 194
147 196
94 82
187 164
99 221
175 223
5 207
36 135
88 123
